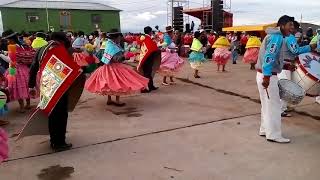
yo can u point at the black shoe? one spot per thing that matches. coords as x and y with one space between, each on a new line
61 147
145 91
234 63
153 88
284 114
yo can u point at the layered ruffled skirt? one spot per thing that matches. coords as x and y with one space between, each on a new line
4 150
196 59
221 56
115 79
19 88
171 64
251 55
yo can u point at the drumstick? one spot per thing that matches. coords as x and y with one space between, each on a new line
267 93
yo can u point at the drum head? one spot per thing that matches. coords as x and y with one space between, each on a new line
291 87
310 64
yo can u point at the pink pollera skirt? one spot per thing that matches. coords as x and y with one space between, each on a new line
115 79
4 149
82 59
251 55
171 64
19 89
221 56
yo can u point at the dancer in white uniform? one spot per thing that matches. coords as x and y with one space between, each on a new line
270 63
291 51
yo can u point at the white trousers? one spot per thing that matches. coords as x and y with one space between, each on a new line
318 99
270 108
285 74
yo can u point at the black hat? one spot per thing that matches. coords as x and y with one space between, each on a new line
169 29
283 20
114 33
9 34
147 30
41 34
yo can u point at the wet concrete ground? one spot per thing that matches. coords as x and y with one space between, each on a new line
198 129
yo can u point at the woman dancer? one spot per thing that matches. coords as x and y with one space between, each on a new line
252 52
196 57
18 86
115 78
86 59
171 63
221 54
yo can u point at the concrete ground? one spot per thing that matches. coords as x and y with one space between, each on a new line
198 129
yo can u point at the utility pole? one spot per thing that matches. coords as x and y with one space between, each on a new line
213 19
172 12
47 13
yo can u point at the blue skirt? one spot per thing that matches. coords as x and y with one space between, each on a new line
196 57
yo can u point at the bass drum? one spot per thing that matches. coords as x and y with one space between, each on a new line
307 74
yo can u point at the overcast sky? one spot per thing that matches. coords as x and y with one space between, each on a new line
139 13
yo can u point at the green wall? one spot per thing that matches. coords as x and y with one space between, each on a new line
16 19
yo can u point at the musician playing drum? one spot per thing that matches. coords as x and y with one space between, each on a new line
317 41
270 63
291 50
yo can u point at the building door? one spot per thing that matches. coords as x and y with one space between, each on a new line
65 20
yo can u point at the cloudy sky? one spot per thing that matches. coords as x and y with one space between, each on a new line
139 13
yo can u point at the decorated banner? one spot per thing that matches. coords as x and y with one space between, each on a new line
58 73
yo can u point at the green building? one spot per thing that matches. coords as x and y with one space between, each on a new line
68 15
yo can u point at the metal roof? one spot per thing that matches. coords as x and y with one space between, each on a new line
58 4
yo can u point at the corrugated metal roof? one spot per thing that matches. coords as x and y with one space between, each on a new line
59 4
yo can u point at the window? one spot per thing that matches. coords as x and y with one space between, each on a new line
65 20
32 17
96 18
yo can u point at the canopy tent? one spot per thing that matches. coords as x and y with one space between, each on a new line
249 28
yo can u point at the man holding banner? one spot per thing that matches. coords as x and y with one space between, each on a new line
60 76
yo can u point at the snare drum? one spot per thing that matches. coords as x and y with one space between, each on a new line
290 91
307 74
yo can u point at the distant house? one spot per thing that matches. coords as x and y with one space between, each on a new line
68 15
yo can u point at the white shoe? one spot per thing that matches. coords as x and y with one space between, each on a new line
280 140
318 99
262 134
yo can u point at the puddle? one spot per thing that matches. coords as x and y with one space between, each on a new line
56 173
